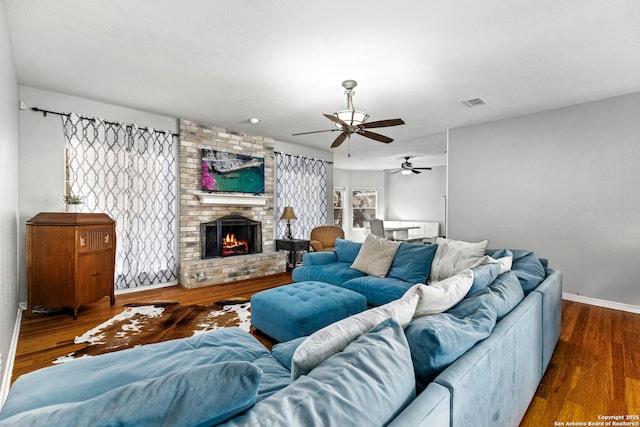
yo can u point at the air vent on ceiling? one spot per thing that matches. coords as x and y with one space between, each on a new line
474 102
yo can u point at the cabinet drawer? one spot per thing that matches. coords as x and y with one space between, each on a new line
92 240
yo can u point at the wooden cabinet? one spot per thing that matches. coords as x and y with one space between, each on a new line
70 259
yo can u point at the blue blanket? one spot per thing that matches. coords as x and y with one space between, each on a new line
89 377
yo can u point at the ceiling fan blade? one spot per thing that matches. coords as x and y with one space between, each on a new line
423 169
339 140
336 120
314 131
415 171
382 123
375 136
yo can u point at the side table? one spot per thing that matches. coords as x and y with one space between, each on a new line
293 246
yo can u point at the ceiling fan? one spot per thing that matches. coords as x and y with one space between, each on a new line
352 121
407 168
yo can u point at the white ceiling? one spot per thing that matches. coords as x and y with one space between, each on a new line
283 61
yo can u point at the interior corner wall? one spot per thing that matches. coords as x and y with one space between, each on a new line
9 151
42 177
563 183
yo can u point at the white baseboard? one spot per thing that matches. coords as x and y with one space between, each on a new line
145 288
11 357
23 305
601 303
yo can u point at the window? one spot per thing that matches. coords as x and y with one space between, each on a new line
338 206
364 204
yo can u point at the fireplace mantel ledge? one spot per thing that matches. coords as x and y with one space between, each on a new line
231 199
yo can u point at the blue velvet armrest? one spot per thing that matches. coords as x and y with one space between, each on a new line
499 376
319 258
430 409
551 291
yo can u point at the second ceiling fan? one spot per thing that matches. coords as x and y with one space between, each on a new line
406 168
352 121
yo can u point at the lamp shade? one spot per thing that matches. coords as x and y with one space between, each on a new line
287 213
351 117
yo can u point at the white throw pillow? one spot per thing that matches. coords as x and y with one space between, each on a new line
440 296
375 256
334 338
505 262
454 256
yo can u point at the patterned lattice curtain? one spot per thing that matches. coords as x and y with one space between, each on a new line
301 182
128 173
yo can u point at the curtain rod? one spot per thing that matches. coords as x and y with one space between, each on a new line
303 157
45 112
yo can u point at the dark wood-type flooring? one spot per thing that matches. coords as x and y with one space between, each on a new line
595 370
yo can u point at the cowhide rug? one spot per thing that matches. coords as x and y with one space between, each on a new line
147 323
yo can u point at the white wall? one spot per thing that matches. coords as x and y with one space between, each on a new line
42 151
418 197
360 180
563 183
9 148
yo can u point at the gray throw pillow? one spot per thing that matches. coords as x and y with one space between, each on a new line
375 256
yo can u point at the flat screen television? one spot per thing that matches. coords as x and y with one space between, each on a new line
232 173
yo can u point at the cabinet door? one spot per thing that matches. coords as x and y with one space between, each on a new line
95 276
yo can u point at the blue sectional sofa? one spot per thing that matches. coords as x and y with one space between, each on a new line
479 363
471 369
411 265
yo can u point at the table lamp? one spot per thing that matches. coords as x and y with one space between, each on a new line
288 214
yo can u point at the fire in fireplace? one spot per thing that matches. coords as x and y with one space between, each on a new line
233 246
230 235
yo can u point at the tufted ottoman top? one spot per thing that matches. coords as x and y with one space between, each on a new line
299 309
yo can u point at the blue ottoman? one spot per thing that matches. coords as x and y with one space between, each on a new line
292 311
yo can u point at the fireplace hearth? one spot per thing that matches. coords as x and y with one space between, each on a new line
230 235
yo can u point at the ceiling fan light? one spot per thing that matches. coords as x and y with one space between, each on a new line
351 117
405 171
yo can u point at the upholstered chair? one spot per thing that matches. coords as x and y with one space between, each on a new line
323 238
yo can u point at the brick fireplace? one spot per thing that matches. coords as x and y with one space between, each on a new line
197 208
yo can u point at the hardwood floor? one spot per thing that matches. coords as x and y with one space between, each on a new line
595 370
